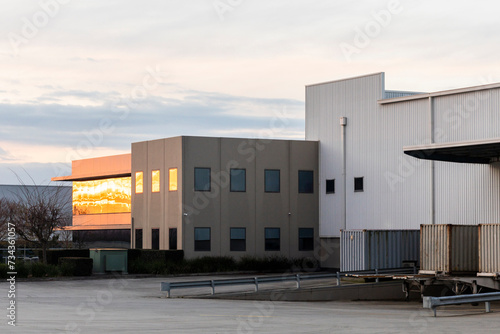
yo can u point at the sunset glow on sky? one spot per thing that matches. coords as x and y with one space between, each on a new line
82 79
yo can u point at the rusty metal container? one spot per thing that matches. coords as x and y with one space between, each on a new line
489 250
378 249
449 249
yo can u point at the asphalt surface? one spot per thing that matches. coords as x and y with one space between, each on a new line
126 305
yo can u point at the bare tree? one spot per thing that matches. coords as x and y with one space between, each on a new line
65 238
5 215
38 212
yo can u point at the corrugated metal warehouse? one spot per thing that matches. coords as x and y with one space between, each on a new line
395 160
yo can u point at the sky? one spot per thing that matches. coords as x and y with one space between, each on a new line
83 79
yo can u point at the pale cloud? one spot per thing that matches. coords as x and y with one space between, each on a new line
5 156
222 74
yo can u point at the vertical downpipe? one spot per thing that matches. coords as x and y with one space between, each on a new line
433 171
343 123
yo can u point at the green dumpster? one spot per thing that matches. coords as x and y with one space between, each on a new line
109 259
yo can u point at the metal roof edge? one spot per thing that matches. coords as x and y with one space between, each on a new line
452 144
346 79
440 93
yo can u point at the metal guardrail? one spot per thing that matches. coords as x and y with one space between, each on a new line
434 302
298 278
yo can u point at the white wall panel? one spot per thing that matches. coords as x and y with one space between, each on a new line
398 189
395 185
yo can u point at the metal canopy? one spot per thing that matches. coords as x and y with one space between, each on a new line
476 152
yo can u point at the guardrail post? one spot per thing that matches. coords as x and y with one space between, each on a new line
165 286
338 278
213 287
376 273
256 284
487 307
298 281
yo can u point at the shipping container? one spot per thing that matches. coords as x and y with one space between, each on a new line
489 250
449 249
378 249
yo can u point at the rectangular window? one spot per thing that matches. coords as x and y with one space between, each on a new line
238 180
306 181
201 179
202 239
172 238
330 186
306 239
172 179
138 238
272 181
358 184
139 183
272 236
238 238
155 238
102 196
155 181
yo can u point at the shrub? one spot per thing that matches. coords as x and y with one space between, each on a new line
272 264
67 268
155 267
76 266
305 264
3 270
153 262
209 264
22 269
38 269
53 255
149 261
154 254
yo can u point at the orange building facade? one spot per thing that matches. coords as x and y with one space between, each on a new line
101 200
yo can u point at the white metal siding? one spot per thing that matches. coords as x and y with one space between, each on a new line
398 189
467 193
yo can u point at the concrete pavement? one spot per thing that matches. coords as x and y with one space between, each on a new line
124 305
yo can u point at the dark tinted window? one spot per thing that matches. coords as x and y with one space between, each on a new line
202 239
306 239
358 184
202 179
238 239
138 238
272 239
238 180
172 238
272 181
330 186
306 182
155 238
